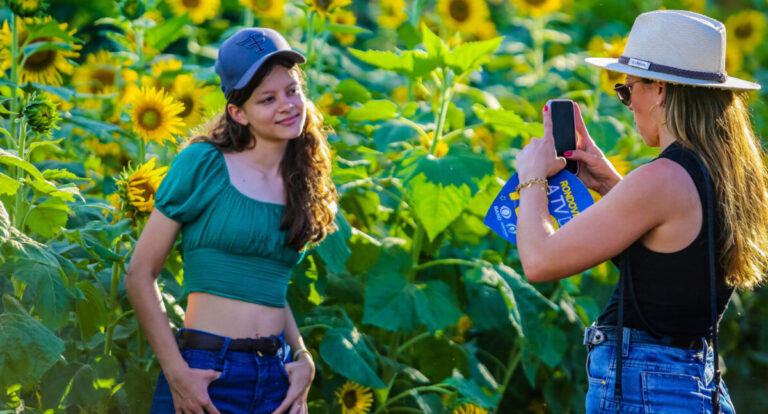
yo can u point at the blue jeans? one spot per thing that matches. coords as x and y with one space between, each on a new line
655 379
249 383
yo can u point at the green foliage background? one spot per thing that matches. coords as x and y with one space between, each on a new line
387 300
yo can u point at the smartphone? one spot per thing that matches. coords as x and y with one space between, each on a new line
564 130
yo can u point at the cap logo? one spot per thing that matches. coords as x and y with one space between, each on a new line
253 40
637 63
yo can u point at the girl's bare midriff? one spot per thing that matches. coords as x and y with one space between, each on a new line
231 317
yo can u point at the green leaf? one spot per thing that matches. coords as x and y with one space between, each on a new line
411 63
43 144
138 385
49 217
100 129
37 47
162 35
375 110
437 205
12 160
52 297
389 299
8 185
472 390
84 390
508 122
345 351
437 50
49 29
436 305
27 349
469 56
459 167
334 250
91 312
55 382
66 94
352 91
58 174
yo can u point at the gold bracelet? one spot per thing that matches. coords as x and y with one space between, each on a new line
532 181
299 352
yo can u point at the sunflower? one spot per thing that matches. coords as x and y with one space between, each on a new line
463 15
537 8
265 9
745 29
734 59
99 76
187 90
392 14
347 18
613 48
27 8
136 188
199 10
470 409
44 66
155 115
325 7
354 398
486 30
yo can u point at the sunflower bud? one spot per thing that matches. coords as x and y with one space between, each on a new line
41 115
27 8
131 9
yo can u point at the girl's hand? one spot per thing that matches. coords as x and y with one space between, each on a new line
300 375
595 171
189 390
538 159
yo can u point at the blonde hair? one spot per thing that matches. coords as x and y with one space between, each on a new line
716 125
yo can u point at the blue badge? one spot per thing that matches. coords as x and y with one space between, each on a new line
567 195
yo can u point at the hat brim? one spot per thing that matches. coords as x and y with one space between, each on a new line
613 64
293 55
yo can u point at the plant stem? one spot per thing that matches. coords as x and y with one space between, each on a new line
14 71
459 131
439 262
139 31
310 33
445 99
404 394
142 150
537 35
247 17
19 215
116 273
413 19
514 358
414 125
412 341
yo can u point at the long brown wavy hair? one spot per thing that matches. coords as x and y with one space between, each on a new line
305 168
715 123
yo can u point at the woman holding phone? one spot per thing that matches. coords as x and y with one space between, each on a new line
248 199
686 229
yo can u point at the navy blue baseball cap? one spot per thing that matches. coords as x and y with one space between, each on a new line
243 53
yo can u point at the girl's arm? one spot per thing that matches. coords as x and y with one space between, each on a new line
189 386
300 372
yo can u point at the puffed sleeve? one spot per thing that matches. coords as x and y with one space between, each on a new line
196 175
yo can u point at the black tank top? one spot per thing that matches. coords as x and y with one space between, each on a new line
671 290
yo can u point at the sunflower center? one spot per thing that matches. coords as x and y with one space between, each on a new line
150 118
191 4
142 188
323 4
535 3
188 103
40 61
101 79
743 31
350 399
459 10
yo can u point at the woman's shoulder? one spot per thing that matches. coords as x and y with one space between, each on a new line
198 151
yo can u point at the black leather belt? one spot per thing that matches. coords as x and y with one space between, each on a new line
267 345
596 335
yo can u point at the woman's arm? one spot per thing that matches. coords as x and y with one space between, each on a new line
188 386
300 372
648 197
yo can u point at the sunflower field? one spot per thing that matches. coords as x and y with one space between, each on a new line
412 305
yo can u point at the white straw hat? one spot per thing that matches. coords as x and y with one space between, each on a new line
676 46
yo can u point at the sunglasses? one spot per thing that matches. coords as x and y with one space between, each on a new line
624 91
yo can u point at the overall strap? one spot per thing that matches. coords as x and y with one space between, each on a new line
626 276
712 281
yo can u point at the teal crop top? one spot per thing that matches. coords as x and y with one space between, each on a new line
233 244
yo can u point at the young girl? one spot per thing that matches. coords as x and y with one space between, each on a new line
248 200
688 227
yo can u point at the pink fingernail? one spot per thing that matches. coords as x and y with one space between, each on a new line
568 153
546 108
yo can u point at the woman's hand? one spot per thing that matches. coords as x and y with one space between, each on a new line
300 375
539 159
595 171
189 389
